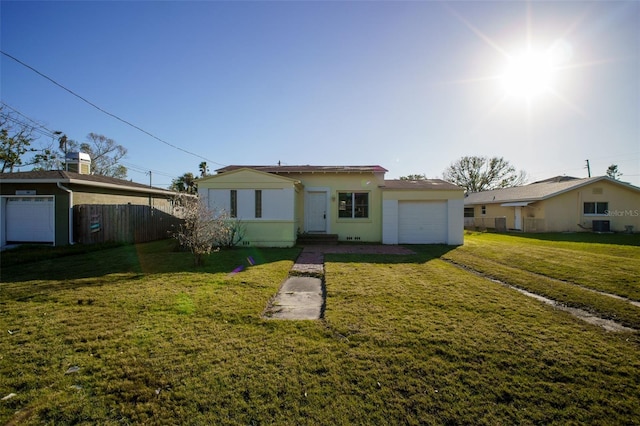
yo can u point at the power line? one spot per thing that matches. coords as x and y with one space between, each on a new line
35 123
35 126
47 132
107 112
142 169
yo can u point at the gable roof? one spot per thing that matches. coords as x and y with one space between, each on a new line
240 170
430 184
307 169
64 177
537 191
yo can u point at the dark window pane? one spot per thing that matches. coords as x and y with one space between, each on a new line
601 208
361 204
234 203
345 204
258 203
589 208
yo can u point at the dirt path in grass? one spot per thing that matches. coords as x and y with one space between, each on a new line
607 324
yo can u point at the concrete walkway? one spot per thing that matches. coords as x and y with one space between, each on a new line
299 298
302 295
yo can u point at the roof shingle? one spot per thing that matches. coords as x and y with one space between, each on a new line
307 169
431 184
64 176
534 192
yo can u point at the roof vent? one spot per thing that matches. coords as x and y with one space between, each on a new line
78 162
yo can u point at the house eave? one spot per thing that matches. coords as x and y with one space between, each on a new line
149 190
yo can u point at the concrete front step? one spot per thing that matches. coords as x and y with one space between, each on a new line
323 239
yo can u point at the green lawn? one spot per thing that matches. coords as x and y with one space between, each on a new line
562 270
405 339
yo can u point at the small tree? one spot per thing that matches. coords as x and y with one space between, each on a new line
204 229
476 174
414 177
613 172
15 141
204 169
185 183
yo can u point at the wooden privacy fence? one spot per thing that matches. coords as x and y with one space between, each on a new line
127 223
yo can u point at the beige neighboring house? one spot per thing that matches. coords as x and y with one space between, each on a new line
559 204
276 204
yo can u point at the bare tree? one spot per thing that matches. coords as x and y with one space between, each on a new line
204 229
476 174
15 141
105 154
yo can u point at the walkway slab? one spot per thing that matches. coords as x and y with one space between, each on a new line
299 298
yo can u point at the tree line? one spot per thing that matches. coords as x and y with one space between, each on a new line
18 149
476 174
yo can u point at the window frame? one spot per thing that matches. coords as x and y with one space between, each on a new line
351 202
600 208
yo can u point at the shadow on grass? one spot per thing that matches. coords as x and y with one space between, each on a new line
584 237
135 260
423 254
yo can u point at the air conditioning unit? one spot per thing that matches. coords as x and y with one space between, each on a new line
601 226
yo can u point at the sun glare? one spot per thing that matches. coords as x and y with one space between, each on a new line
528 75
531 73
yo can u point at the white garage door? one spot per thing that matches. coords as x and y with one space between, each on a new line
30 219
422 222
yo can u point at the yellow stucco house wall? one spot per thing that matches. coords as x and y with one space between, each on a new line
276 204
560 204
266 204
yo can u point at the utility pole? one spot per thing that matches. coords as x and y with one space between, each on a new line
588 168
150 176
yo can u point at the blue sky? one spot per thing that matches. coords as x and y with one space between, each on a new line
411 86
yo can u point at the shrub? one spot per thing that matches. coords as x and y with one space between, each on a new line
205 229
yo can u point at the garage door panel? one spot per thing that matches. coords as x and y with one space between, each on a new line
422 222
30 219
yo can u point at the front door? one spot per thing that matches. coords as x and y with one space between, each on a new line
316 211
518 219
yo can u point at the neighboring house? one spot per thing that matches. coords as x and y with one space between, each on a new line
276 204
37 206
560 204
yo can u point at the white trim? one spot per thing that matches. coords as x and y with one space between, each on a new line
518 204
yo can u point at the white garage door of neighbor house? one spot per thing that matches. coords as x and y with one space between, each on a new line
422 222
30 220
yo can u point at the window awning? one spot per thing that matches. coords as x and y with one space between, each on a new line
518 204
